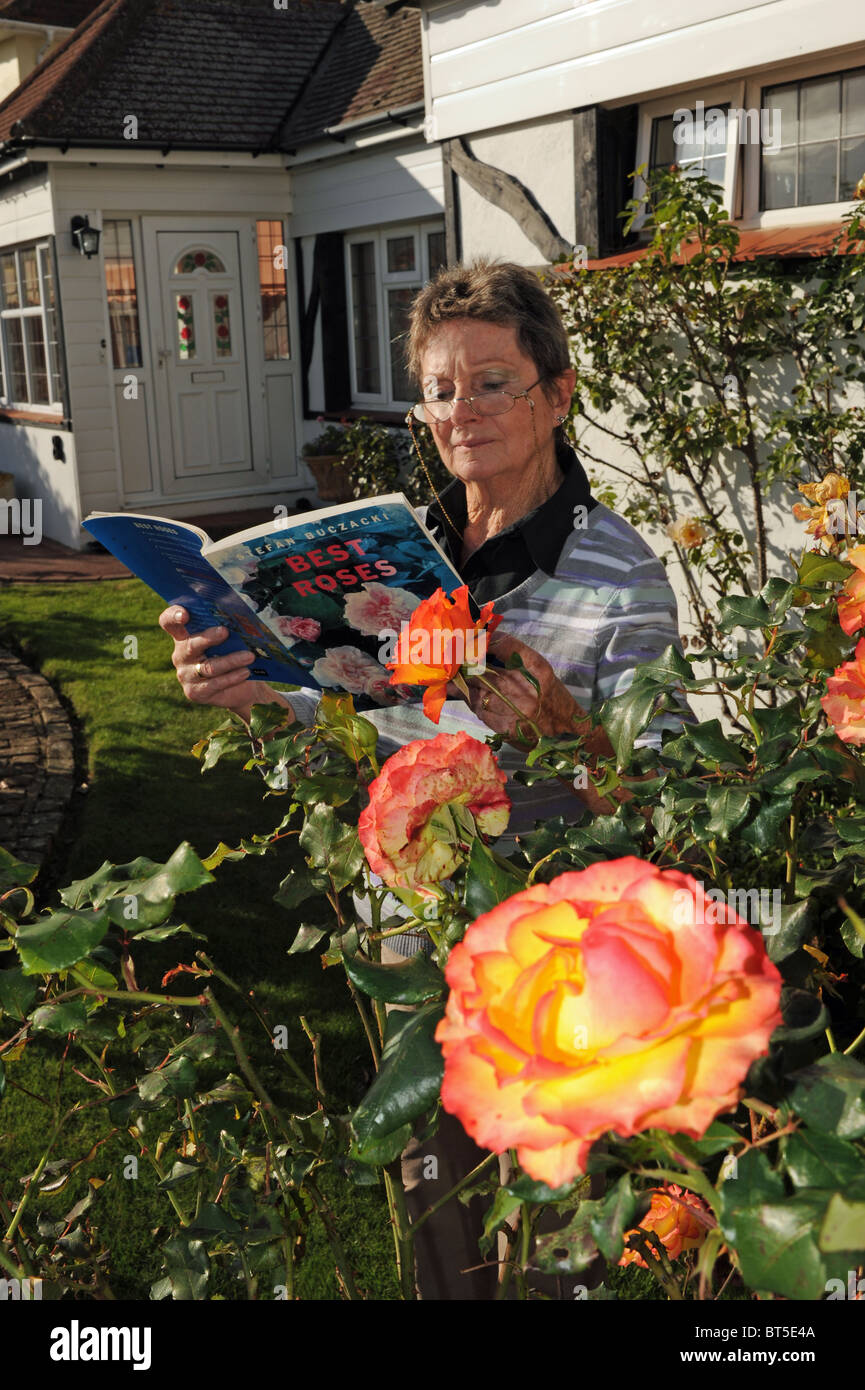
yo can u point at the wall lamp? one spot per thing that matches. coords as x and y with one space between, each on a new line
85 237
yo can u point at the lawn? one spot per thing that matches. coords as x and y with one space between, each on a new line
145 794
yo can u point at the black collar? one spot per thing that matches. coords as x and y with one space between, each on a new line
543 531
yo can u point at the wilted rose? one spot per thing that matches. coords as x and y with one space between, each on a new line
681 1221
587 1004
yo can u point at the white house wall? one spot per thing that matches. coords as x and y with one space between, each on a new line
113 191
541 156
367 189
27 451
491 65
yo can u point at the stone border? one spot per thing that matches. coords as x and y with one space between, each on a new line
37 760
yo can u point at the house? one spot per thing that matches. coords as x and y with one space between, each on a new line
30 30
266 204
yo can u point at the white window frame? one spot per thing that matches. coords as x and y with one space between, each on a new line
53 368
742 170
726 94
386 280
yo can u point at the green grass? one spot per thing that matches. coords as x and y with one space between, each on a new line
145 794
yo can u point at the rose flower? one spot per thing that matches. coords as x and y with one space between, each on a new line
680 1220
441 638
844 705
586 1005
851 600
408 836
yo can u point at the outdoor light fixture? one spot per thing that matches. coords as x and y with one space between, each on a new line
85 237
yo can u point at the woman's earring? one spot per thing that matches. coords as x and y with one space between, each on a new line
560 419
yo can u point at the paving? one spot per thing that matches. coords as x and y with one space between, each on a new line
37 745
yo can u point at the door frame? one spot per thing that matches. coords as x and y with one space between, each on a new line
209 485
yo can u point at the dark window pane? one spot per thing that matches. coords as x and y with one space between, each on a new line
36 353
852 165
122 294
820 110
817 181
664 150
785 102
398 305
17 370
436 251
853 104
779 178
9 280
274 291
365 317
400 253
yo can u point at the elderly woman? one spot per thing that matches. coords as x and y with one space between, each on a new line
583 599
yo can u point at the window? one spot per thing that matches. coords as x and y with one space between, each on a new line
820 155
273 290
120 286
385 270
694 140
29 352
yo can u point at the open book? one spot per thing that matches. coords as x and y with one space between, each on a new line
319 597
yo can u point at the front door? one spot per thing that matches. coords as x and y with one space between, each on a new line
201 385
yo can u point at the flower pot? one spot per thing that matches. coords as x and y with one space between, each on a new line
332 480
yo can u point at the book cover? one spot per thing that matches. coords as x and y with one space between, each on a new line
319 597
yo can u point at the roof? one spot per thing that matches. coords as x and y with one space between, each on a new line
209 74
784 242
373 66
66 14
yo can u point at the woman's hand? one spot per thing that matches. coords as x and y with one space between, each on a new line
552 708
221 680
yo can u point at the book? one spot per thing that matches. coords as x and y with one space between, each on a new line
319 597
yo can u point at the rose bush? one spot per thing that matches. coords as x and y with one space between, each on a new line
578 1007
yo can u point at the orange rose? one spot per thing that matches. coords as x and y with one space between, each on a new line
439 639
414 831
680 1220
579 1006
688 532
844 705
851 600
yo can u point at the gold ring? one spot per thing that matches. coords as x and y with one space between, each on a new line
485 702
198 671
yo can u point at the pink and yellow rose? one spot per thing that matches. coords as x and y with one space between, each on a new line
580 1006
680 1220
851 600
844 705
409 833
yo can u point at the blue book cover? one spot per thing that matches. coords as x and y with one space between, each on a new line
319 597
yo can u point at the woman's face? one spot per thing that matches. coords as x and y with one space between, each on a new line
465 357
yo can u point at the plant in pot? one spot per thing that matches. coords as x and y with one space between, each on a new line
326 457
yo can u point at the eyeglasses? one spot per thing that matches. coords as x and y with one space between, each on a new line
486 403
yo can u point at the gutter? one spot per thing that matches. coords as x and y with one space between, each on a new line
397 114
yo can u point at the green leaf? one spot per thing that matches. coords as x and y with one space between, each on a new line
820 1160
830 1095
610 1218
489 879
776 1244
17 992
728 807
800 768
176 1078
712 743
504 1205
63 1018
667 669
54 943
384 1149
764 831
525 1189
741 611
307 938
797 921
212 1221
187 1267
410 982
181 1172
626 716
570 1250
409 1077
818 568
843 1226
332 846
14 873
